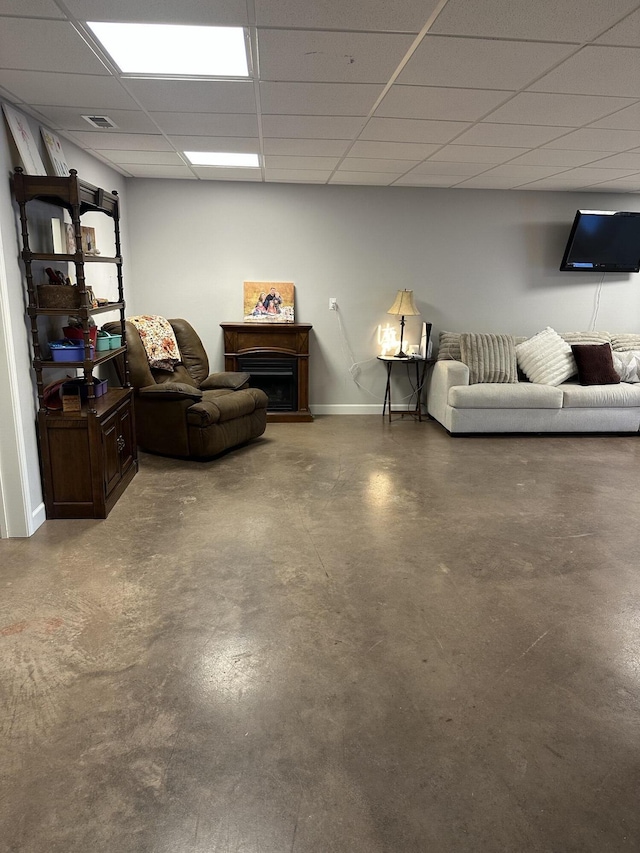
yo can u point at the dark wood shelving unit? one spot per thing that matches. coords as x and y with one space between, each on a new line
88 457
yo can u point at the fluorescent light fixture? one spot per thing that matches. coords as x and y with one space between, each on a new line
218 158
179 50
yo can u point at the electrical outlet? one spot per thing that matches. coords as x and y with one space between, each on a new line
333 303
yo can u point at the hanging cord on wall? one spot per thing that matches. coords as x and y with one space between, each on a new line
355 366
596 306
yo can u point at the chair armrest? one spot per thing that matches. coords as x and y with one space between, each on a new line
234 380
170 391
445 375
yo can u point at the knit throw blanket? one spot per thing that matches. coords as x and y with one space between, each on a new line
159 341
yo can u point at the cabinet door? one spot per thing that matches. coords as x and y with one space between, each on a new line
126 443
111 452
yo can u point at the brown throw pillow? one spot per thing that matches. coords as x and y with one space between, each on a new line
595 364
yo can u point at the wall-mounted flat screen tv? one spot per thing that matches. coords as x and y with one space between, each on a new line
603 241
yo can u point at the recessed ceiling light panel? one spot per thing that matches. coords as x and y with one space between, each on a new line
219 158
183 51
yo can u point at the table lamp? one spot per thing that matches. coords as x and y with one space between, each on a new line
403 306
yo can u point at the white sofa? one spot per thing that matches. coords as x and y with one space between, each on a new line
527 407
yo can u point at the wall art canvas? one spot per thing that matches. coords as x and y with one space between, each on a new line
55 152
24 141
269 302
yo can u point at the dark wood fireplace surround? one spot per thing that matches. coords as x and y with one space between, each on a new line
272 341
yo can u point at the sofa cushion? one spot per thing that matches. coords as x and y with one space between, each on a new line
577 396
449 346
546 358
490 358
625 342
522 395
595 364
627 365
586 337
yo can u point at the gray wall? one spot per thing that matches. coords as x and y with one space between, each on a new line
476 260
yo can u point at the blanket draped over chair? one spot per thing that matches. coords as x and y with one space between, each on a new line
159 341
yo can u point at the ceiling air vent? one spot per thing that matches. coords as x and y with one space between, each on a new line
101 122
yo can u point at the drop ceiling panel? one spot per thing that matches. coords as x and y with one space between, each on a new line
228 13
297 176
549 157
596 71
435 167
627 32
276 161
550 20
210 173
480 63
371 15
110 141
589 175
518 135
151 158
70 118
295 55
311 127
549 109
306 147
393 150
330 99
239 145
597 140
520 174
148 171
30 8
439 103
482 182
71 90
206 124
368 164
198 96
628 160
414 180
369 178
630 185
53 46
626 119
476 154
412 130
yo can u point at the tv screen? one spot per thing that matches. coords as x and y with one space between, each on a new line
603 241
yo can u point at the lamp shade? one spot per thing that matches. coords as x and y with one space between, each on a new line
404 305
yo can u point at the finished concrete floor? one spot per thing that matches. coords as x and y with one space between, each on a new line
349 636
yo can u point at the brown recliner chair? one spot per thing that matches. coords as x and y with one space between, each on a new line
188 412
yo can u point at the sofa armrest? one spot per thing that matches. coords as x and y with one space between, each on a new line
445 375
234 380
170 391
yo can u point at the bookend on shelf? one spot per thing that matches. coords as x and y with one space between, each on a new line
88 456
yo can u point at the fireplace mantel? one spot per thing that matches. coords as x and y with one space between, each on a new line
273 340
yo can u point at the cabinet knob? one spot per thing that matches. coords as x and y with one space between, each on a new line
120 442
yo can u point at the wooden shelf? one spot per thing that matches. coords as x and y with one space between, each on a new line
108 355
88 457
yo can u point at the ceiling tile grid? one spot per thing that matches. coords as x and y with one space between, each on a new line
501 94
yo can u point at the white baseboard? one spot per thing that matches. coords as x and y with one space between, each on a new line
38 517
346 409
351 409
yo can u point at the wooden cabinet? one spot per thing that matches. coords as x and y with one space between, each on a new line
88 457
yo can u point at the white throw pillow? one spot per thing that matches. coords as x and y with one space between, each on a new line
546 358
627 365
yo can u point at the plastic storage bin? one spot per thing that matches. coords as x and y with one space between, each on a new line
75 334
99 387
115 341
68 351
103 341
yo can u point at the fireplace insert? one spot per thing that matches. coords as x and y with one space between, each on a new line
277 377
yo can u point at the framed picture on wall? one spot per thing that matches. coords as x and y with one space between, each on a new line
269 302
55 152
24 141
